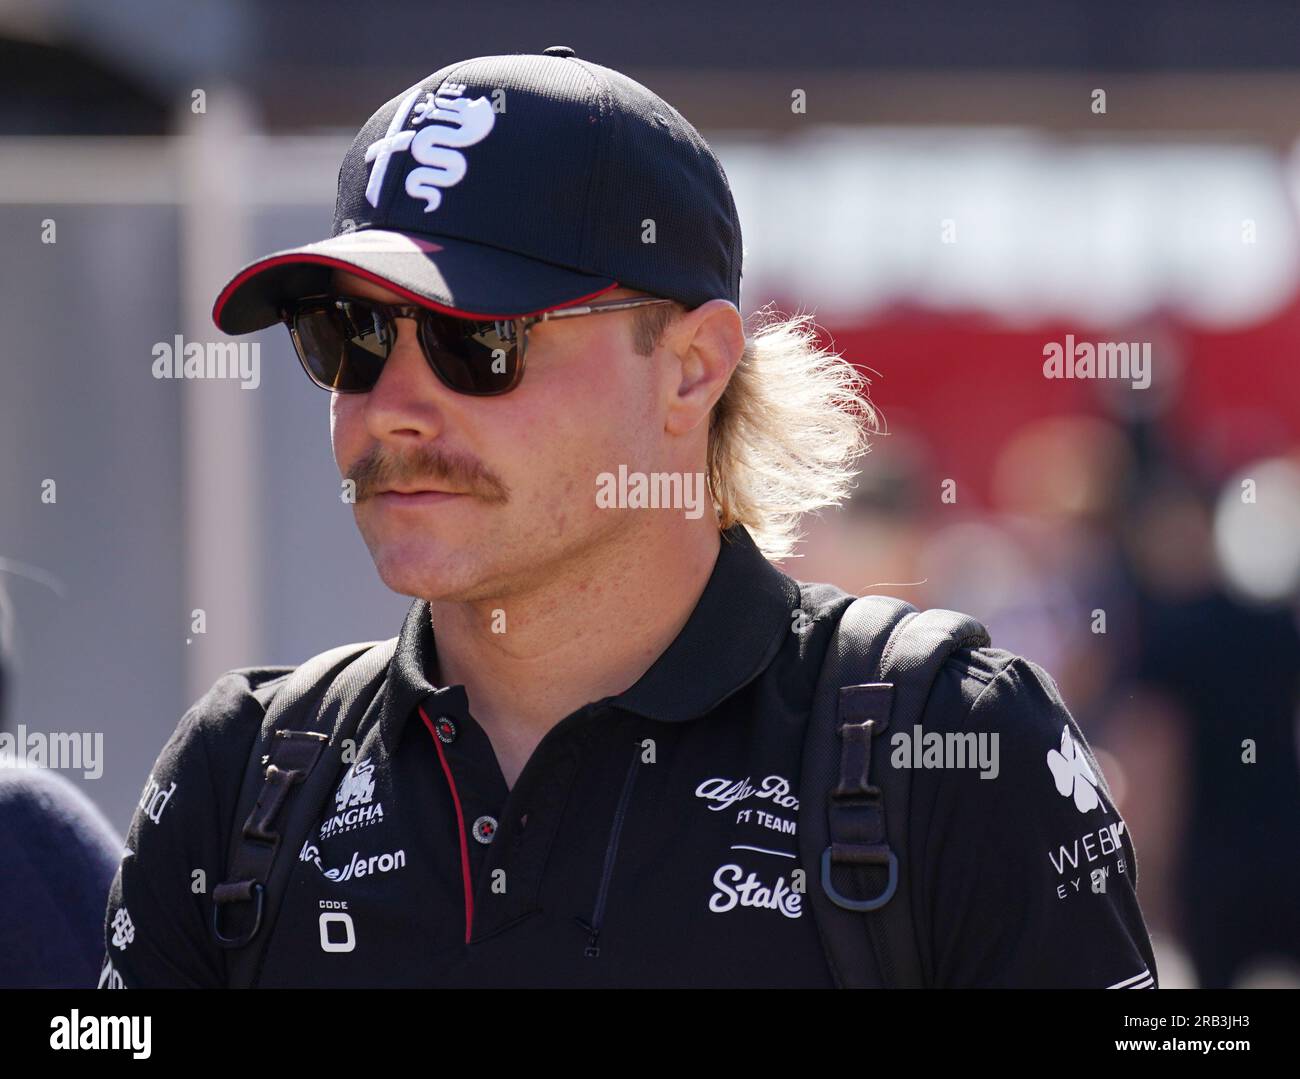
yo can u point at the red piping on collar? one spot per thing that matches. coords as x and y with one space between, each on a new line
460 822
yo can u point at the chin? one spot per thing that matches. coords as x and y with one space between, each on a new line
428 571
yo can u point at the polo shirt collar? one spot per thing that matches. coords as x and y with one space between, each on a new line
735 630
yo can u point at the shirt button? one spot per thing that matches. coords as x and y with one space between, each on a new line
484 829
445 729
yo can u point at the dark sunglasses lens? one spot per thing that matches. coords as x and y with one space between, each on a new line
480 358
343 345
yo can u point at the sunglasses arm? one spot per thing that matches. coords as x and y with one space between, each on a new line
598 308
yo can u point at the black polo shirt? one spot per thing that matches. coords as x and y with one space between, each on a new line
651 838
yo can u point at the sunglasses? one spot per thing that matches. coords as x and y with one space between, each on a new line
344 341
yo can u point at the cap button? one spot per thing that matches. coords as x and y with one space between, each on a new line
558 50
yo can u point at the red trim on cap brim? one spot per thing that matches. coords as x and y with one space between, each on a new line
414 297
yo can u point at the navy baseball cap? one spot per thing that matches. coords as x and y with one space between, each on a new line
508 185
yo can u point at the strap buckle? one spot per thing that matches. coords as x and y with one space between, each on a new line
875 902
222 898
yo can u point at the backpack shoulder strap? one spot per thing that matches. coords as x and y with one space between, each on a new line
854 834
292 763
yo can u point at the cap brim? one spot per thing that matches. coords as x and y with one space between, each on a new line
456 276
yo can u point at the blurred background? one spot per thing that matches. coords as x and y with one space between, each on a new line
948 189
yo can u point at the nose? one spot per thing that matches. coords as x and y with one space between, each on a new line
408 397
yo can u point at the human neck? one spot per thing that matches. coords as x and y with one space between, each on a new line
588 632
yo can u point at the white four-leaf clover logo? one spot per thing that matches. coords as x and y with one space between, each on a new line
1073 776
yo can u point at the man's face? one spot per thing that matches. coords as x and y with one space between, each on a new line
517 471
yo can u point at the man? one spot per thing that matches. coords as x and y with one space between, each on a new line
581 766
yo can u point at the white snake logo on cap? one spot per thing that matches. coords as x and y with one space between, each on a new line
460 122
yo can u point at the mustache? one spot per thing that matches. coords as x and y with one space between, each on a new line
431 465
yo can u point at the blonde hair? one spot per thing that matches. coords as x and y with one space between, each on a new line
787 431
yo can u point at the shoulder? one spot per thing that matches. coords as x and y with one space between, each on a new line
1018 706
59 854
1022 870
234 698
230 713
55 823
1016 831
40 798
996 682
156 926
1031 744
199 770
